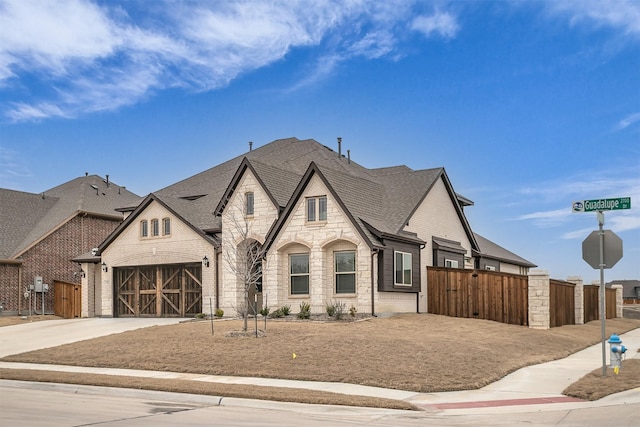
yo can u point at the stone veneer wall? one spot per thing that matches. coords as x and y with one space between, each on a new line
578 294
539 314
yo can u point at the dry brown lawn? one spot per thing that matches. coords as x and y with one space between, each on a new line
594 386
423 353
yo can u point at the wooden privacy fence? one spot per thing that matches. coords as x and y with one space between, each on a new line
562 303
591 306
478 294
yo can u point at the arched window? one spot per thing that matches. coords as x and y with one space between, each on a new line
166 226
155 227
249 204
144 228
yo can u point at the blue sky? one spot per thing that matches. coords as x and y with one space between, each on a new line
528 105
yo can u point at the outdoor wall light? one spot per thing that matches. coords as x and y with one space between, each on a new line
205 261
104 267
82 274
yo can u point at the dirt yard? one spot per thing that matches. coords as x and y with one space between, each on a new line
423 353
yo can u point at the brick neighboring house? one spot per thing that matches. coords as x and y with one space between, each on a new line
329 230
41 233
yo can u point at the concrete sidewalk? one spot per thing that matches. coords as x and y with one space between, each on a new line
537 387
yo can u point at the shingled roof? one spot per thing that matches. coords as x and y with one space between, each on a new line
26 218
491 250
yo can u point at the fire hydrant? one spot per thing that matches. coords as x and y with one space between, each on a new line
617 350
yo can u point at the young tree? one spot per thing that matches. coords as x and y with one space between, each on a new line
243 257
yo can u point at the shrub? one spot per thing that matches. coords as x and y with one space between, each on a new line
200 316
353 310
331 310
305 310
219 312
340 309
265 311
286 310
277 313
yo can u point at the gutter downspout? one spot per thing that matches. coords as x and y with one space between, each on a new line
20 290
217 273
373 304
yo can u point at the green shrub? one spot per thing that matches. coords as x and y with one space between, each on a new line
219 312
305 310
352 311
286 310
331 310
200 316
265 311
277 313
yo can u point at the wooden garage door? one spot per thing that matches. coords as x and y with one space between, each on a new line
158 290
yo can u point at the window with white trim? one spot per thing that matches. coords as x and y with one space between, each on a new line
144 228
155 227
345 272
316 209
451 263
299 274
403 268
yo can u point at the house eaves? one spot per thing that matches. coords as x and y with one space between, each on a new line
442 174
136 213
489 249
312 170
242 169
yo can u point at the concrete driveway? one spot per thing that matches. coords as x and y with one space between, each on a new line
50 333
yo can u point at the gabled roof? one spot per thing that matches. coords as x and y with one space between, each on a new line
284 166
27 218
171 204
491 250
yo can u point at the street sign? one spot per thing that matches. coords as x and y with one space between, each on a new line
612 249
601 205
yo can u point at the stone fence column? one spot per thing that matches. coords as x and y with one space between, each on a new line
578 294
619 307
539 309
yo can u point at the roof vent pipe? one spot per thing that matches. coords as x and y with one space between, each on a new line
339 147
250 145
107 181
349 156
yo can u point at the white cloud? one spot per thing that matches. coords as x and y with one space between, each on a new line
94 58
618 14
441 23
628 121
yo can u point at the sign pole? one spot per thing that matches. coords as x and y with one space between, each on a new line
603 314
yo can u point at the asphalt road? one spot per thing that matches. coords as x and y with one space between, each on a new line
38 404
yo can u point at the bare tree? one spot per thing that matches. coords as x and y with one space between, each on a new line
243 257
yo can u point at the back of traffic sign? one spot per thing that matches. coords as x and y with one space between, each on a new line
612 249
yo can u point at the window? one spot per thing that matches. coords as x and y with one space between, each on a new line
345 269
451 263
144 228
316 208
155 227
403 268
248 204
299 273
166 226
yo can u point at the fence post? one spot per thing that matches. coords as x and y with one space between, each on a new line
619 307
539 294
578 294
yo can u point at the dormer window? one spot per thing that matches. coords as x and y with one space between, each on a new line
248 204
317 209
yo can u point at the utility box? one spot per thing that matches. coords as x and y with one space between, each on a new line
38 286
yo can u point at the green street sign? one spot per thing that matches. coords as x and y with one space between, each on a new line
601 205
